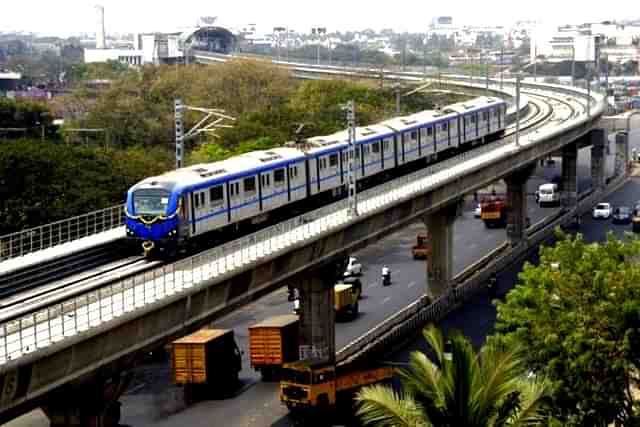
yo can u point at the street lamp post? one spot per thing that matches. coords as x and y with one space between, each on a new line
277 32
317 32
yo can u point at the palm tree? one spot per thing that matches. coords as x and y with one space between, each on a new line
488 389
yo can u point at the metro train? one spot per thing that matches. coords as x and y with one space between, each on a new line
226 198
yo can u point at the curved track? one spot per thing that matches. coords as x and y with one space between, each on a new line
34 285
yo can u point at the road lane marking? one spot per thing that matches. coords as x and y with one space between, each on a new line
411 284
386 300
371 285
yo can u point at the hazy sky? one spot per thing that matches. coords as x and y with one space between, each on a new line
67 16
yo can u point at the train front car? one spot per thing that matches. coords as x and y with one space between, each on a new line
153 216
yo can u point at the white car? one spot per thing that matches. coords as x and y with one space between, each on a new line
354 268
602 210
477 212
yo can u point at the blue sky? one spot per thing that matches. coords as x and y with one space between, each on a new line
70 16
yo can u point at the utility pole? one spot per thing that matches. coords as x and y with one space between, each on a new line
179 132
486 81
424 55
199 128
396 89
535 64
352 196
573 65
501 66
404 51
518 110
589 93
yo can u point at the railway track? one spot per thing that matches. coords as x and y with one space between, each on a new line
104 263
33 276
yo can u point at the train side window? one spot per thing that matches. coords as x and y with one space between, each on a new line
375 147
414 135
249 184
429 131
386 145
278 177
473 118
202 199
215 195
333 160
234 188
196 200
444 126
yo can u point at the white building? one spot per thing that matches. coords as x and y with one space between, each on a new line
127 56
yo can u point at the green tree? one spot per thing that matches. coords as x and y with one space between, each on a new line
577 317
465 389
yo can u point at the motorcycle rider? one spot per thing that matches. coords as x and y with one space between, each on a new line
386 275
296 301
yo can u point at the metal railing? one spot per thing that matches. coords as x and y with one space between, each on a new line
33 327
56 233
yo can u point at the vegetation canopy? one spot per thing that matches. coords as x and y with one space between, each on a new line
577 317
460 388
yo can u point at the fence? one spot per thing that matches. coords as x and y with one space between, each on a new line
59 232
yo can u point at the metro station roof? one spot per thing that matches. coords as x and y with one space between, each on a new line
187 35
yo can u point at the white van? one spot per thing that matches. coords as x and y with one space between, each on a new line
548 194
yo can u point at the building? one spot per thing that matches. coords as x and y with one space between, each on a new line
127 56
167 48
9 81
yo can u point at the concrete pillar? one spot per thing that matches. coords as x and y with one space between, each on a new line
517 218
569 184
598 161
317 316
622 153
91 403
440 262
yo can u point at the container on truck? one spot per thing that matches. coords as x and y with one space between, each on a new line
272 343
206 362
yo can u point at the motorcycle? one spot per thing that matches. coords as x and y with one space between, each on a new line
386 279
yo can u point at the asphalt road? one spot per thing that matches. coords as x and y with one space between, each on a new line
257 405
152 400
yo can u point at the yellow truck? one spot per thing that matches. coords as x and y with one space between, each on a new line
272 343
310 384
206 362
346 299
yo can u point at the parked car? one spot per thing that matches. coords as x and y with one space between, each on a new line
477 212
601 210
354 268
622 215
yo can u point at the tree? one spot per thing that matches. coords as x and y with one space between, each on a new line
577 317
466 389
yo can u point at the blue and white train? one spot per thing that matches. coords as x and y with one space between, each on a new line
241 193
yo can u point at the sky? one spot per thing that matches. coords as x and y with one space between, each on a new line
64 17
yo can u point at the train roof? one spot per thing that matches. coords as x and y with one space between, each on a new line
473 104
204 172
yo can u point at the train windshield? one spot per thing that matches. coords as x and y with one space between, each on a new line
150 202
